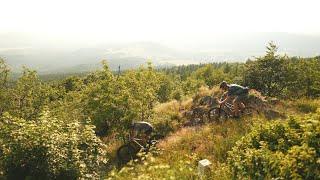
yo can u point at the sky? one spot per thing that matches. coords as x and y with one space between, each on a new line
150 20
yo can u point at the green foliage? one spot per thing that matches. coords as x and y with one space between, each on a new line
49 148
281 76
304 79
165 124
150 168
62 144
170 88
288 150
183 149
113 102
72 84
196 75
211 75
143 85
4 73
306 106
191 85
29 96
102 100
269 73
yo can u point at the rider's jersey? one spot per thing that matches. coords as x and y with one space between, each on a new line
143 127
236 90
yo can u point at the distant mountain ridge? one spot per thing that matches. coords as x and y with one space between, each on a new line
48 56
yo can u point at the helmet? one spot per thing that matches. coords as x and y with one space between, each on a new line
223 84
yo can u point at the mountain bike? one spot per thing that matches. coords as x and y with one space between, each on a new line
225 111
129 151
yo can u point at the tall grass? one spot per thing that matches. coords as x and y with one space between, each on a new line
306 106
183 147
181 151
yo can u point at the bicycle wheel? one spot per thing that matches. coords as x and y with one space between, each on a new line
216 114
126 153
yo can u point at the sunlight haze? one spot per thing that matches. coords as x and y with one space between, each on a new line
120 20
46 34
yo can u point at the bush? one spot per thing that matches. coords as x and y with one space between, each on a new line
307 107
48 149
268 74
289 150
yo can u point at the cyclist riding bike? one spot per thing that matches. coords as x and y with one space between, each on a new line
141 130
140 139
237 94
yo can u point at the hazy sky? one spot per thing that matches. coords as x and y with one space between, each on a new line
162 20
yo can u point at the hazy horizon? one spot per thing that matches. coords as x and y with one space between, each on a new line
46 33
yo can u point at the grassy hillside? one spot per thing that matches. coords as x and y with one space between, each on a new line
177 156
76 124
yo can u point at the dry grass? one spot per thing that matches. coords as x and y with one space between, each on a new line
182 150
172 106
174 138
184 147
210 141
186 104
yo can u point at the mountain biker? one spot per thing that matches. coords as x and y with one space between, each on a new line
141 130
237 93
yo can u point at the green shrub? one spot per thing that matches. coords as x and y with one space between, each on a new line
164 124
151 167
48 149
307 107
289 150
